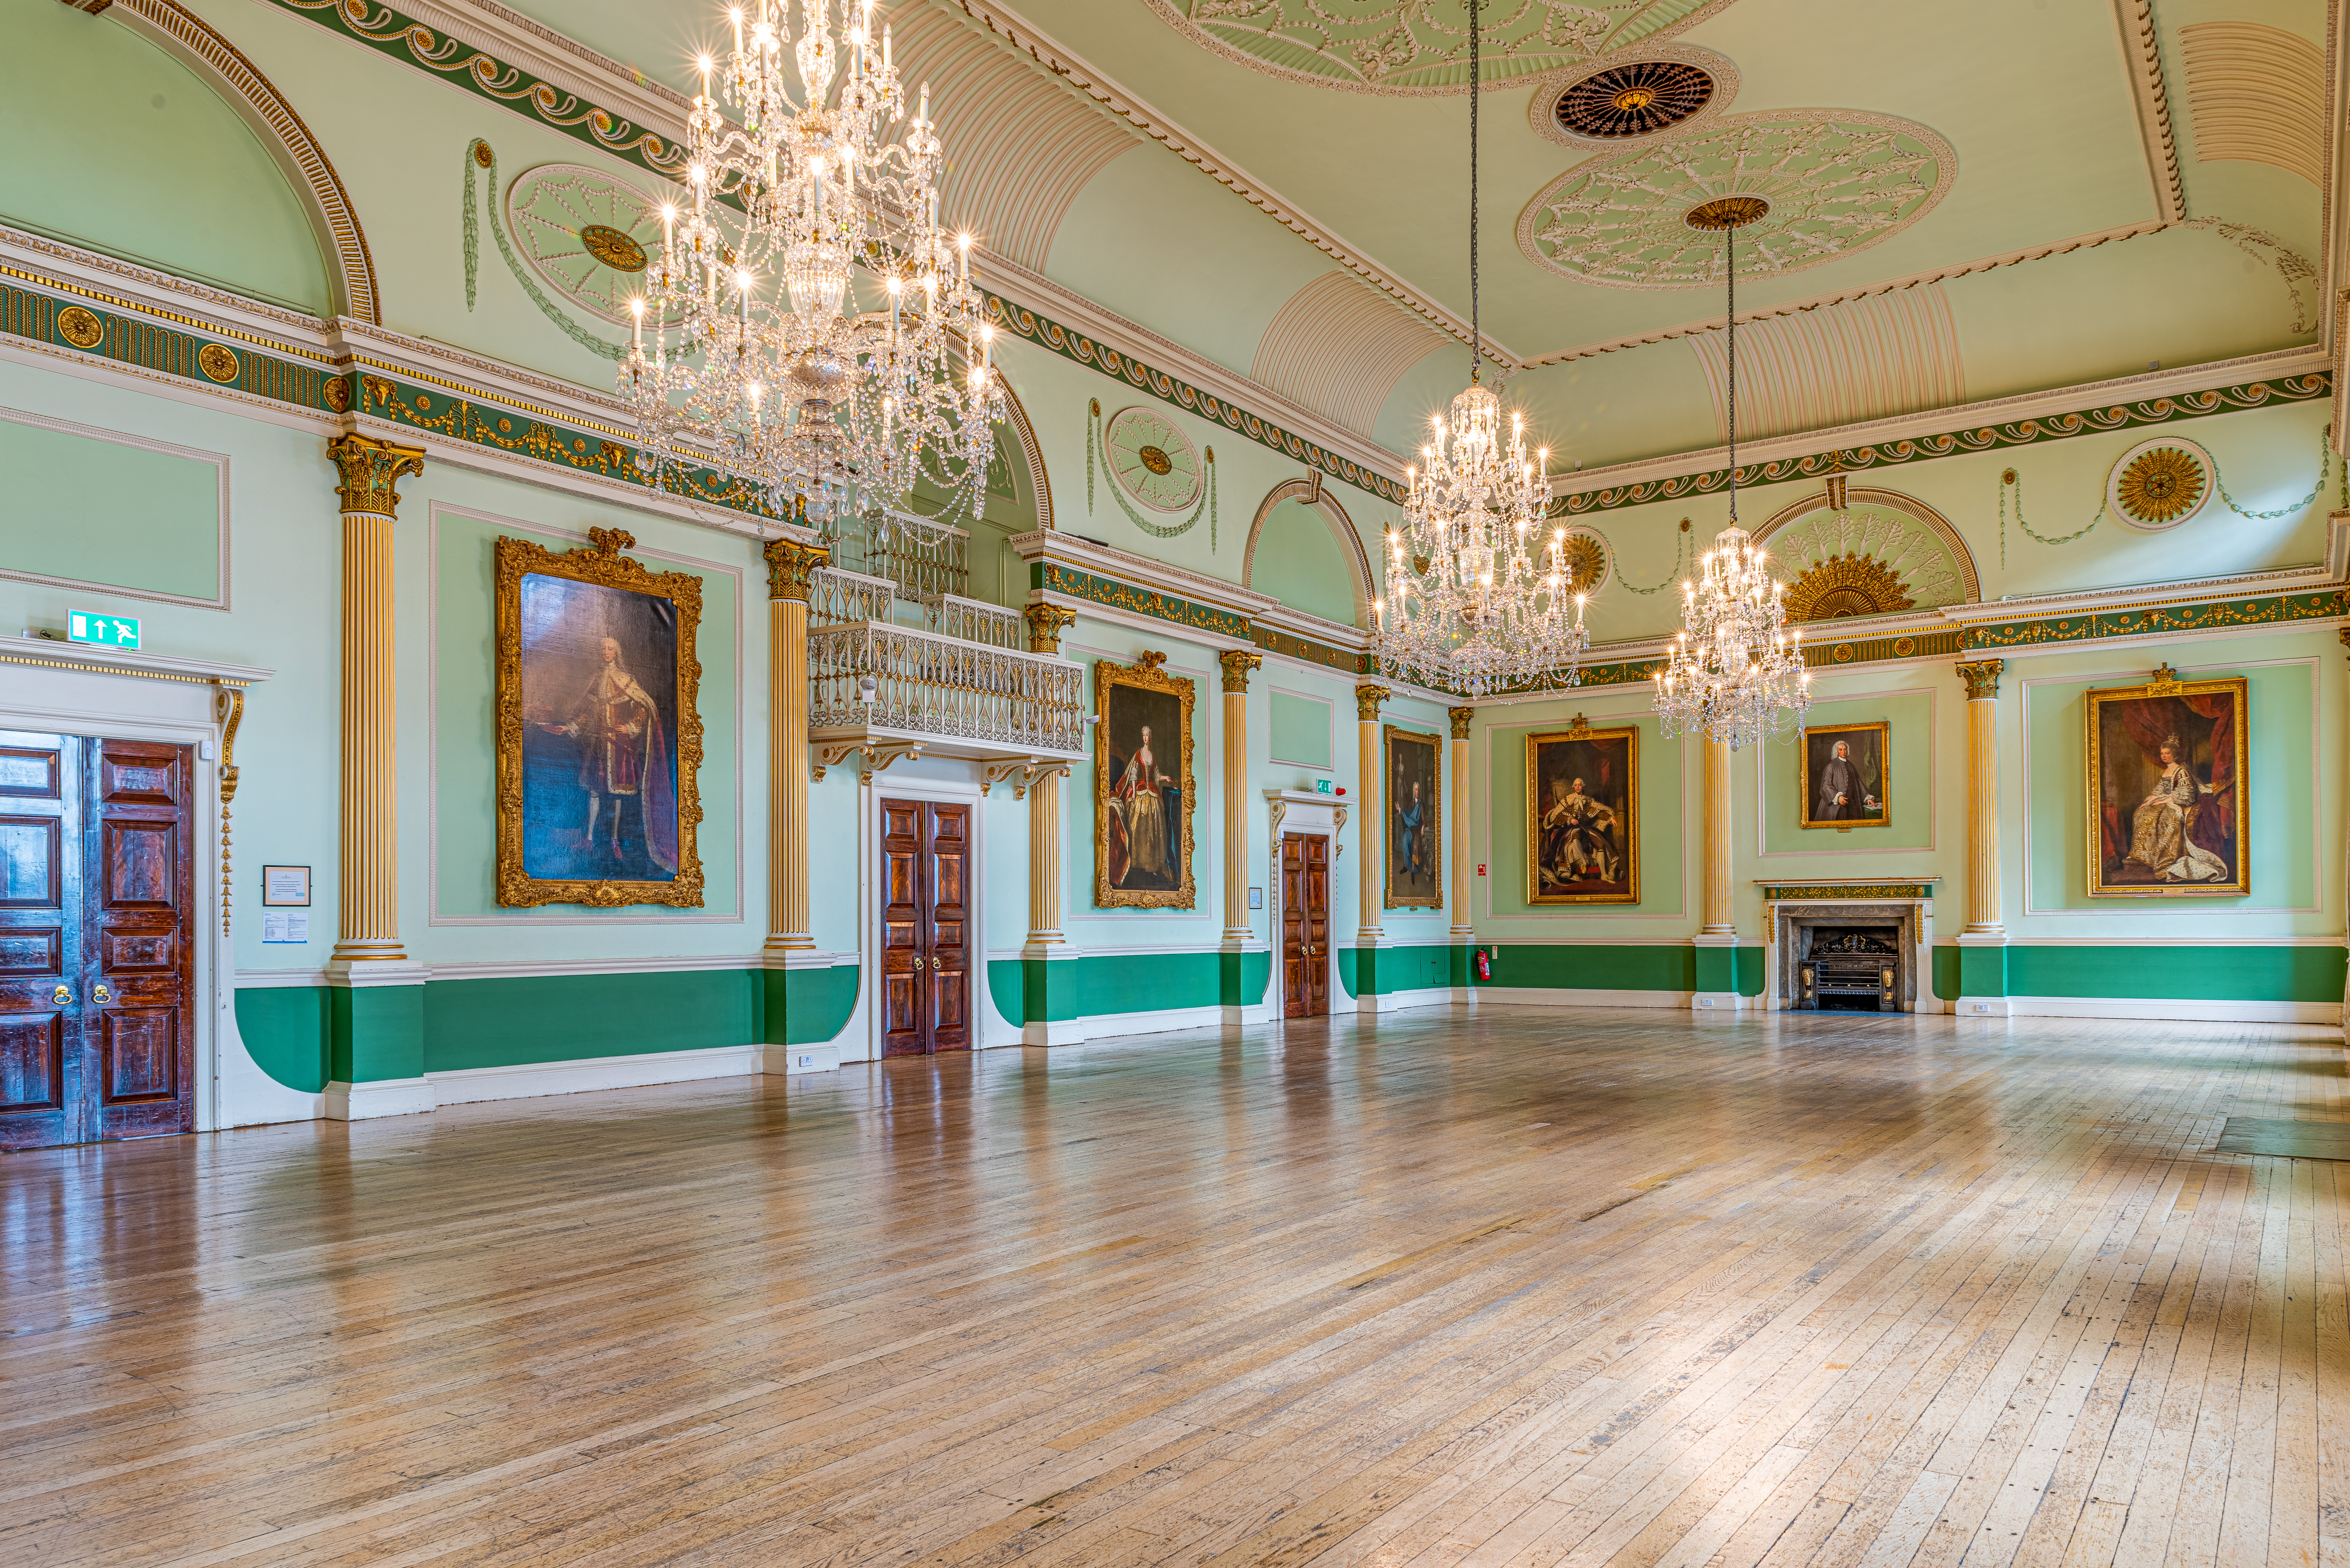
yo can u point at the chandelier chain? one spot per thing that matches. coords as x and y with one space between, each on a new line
1476 327
1730 249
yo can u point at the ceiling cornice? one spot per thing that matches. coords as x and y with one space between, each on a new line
1097 86
2141 40
2150 396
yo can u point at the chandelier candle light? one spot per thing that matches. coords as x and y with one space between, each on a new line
1477 598
1735 674
756 355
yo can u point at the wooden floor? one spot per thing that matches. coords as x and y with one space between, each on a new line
1607 1287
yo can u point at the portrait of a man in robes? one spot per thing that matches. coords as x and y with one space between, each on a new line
1845 783
1583 792
599 669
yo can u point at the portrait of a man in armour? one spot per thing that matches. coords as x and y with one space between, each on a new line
1415 842
2168 815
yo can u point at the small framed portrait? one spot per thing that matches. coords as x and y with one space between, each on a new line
1143 794
600 745
1583 804
2168 780
1846 775
285 887
1415 820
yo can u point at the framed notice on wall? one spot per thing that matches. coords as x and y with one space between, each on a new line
285 887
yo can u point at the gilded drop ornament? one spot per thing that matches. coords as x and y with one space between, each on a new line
2159 484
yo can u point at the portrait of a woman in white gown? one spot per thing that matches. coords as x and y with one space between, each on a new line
2167 813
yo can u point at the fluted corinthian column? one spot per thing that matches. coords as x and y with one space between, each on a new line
789 565
1045 625
1237 662
1369 823
1458 830
1983 797
368 927
1715 912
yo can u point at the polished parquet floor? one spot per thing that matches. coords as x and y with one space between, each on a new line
1532 1289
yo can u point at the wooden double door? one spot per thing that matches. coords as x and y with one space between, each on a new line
925 927
1304 925
98 1036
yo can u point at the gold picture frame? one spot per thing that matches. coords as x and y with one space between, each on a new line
1413 757
2167 824
1583 847
1134 831
1869 753
554 778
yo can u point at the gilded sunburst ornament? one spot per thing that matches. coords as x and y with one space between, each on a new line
2160 485
1586 558
1419 48
1842 587
1836 182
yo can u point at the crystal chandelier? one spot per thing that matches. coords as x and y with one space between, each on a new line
752 349
1477 599
1735 674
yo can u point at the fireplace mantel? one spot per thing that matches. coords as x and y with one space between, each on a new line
1792 905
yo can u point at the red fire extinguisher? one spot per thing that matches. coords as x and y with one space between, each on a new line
1484 964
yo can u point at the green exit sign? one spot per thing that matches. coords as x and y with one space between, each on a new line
108 630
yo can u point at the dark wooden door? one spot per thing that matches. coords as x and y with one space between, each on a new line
96 925
41 798
139 1026
925 928
1304 925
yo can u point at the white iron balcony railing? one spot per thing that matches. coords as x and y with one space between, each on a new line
837 597
895 680
952 614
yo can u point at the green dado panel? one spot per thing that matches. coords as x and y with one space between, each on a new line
1394 969
1095 986
805 1006
289 1033
108 513
1607 966
564 1018
2180 973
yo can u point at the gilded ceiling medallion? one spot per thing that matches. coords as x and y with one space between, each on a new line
218 361
2159 484
613 248
80 328
1846 585
1637 98
1419 48
1151 460
1834 181
584 234
1586 556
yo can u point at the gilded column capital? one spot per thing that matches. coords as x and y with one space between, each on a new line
1367 697
1981 677
1460 717
1237 663
371 470
1045 625
790 566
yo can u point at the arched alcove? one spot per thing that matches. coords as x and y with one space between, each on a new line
1881 553
166 147
1303 551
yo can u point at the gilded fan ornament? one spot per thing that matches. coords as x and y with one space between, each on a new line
1842 587
2159 484
1153 459
1586 560
1834 182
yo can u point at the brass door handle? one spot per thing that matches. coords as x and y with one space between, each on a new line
101 995
62 997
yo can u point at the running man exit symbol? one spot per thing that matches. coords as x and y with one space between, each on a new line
108 630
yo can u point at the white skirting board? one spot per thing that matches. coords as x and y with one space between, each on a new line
1396 1001
1574 996
2174 1011
466 1084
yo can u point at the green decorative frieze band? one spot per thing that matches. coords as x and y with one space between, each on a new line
461 418
1084 350
405 39
1982 438
1786 893
1054 578
1826 654
1312 652
82 327
2283 609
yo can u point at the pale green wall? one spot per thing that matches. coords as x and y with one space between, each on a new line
114 143
82 508
1301 730
1300 562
